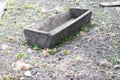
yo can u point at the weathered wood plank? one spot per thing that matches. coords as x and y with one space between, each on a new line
110 4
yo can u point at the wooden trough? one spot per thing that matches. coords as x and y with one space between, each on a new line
55 28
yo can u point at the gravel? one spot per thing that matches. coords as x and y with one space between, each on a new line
99 42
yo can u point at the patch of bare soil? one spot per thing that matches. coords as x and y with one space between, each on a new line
93 54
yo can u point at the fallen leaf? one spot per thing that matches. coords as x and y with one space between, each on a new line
6 51
20 65
105 63
45 53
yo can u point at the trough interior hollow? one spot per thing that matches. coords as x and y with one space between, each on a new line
57 20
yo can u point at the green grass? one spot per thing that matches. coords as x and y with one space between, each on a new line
92 24
35 46
82 28
99 14
28 6
64 52
10 4
114 58
7 78
66 8
52 51
20 55
1 22
38 9
27 56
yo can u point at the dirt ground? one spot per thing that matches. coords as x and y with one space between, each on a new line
93 54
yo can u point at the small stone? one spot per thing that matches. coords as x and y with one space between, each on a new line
44 64
11 38
112 34
4 46
29 50
79 59
38 74
13 64
103 23
77 2
116 66
22 78
33 72
66 75
43 11
28 74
